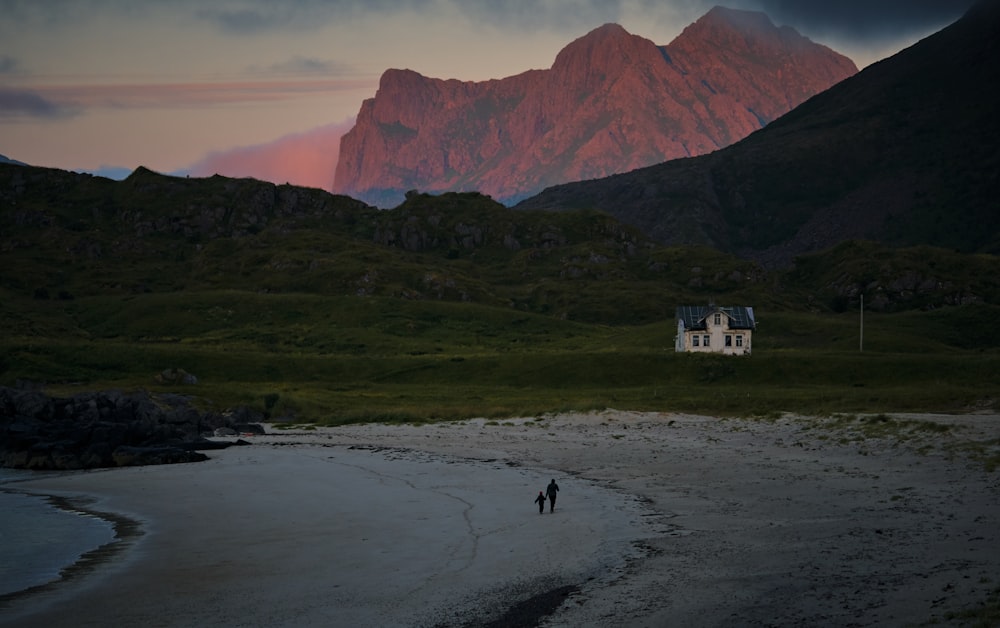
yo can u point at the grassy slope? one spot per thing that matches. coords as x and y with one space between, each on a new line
314 306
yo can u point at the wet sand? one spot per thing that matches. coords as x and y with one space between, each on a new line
662 519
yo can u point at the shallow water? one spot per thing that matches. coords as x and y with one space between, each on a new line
37 539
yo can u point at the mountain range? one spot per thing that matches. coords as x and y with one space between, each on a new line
611 102
7 160
906 152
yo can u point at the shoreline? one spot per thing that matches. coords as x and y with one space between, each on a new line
125 530
776 522
332 535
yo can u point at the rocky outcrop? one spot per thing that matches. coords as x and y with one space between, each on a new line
102 429
610 103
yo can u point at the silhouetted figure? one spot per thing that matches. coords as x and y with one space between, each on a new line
540 500
551 491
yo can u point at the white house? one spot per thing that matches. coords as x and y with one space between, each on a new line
713 329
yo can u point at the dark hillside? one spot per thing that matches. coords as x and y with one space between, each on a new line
66 236
907 152
891 279
306 305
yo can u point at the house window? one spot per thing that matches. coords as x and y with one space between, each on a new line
694 341
704 341
739 341
718 319
729 341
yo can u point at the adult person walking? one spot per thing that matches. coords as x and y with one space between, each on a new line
551 491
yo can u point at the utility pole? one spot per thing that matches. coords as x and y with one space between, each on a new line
861 341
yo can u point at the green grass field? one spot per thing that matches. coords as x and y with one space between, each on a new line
310 358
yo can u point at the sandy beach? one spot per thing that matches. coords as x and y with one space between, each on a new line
662 519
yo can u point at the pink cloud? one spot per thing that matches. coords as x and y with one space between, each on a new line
308 159
162 95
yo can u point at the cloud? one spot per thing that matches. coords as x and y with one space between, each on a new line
863 20
234 17
562 15
858 20
8 64
70 12
253 17
167 95
305 66
17 103
248 21
308 159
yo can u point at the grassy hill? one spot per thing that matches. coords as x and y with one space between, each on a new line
309 306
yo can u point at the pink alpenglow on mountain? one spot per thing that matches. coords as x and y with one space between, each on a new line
610 103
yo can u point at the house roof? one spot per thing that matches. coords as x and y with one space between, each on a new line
693 316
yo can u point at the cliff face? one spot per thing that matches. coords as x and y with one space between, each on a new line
610 103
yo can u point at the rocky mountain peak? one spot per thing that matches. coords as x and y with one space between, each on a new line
726 46
602 53
723 19
596 45
611 102
745 32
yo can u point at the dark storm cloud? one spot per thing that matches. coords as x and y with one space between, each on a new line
862 20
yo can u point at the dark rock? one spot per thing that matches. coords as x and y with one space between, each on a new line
106 429
242 415
250 428
137 456
176 376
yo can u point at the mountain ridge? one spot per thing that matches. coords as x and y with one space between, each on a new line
611 102
7 160
905 153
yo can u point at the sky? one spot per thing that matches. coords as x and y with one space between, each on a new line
265 88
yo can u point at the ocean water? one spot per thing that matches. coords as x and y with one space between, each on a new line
37 539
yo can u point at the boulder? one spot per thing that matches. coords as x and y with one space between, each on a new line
126 456
176 376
